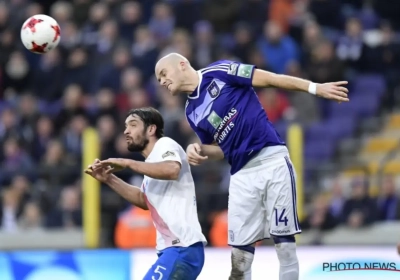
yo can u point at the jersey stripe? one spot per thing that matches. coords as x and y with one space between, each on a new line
212 70
219 66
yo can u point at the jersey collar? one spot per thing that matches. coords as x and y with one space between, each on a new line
196 93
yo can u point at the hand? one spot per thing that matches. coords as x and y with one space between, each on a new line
334 91
194 156
112 164
99 174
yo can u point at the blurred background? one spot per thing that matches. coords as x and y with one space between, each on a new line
59 110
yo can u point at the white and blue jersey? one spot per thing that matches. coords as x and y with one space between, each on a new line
225 109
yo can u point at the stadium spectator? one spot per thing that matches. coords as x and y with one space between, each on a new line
360 209
388 202
320 217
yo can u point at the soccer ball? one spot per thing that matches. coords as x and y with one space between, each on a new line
40 34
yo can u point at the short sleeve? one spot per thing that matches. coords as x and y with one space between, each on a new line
235 73
168 150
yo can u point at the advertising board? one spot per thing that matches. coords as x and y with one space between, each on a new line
76 265
316 263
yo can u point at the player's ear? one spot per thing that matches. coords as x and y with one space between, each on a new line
152 130
182 65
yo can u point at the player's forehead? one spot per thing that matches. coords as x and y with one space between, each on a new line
162 66
133 119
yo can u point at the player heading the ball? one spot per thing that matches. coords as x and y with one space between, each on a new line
224 111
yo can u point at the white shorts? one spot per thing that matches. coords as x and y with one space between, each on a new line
262 200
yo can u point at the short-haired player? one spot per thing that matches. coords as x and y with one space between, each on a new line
224 111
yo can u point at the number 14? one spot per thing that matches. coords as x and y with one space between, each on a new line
282 218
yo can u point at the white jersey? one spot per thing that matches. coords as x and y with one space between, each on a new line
172 203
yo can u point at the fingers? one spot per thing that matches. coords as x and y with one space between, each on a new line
343 89
341 83
196 156
193 162
340 94
89 171
197 148
97 166
110 170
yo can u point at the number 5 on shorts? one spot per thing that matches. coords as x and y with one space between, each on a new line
281 218
158 271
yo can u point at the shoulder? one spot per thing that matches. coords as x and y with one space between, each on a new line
221 69
220 64
164 142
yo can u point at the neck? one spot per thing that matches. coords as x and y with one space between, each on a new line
146 152
191 82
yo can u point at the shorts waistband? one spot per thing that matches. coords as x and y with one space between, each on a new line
267 154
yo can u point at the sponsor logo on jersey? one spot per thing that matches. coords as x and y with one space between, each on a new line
245 70
168 154
214 119
225 126
213 89
233 67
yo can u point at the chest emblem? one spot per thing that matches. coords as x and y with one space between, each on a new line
213 89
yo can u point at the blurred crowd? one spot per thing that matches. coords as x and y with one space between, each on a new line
353 207
104 66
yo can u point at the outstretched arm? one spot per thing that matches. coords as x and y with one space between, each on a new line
166 170
130 193
335 91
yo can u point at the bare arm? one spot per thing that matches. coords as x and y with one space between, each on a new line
263 78
127 191
166 170
213 152
334 90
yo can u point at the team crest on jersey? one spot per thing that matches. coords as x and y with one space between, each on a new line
233 67
213 89
168 154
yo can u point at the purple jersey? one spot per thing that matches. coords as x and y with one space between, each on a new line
225 109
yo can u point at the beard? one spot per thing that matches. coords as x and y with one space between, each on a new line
139 145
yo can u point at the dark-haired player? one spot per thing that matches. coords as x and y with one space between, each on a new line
167 191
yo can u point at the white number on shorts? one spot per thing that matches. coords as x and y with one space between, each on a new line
281 218
157 271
